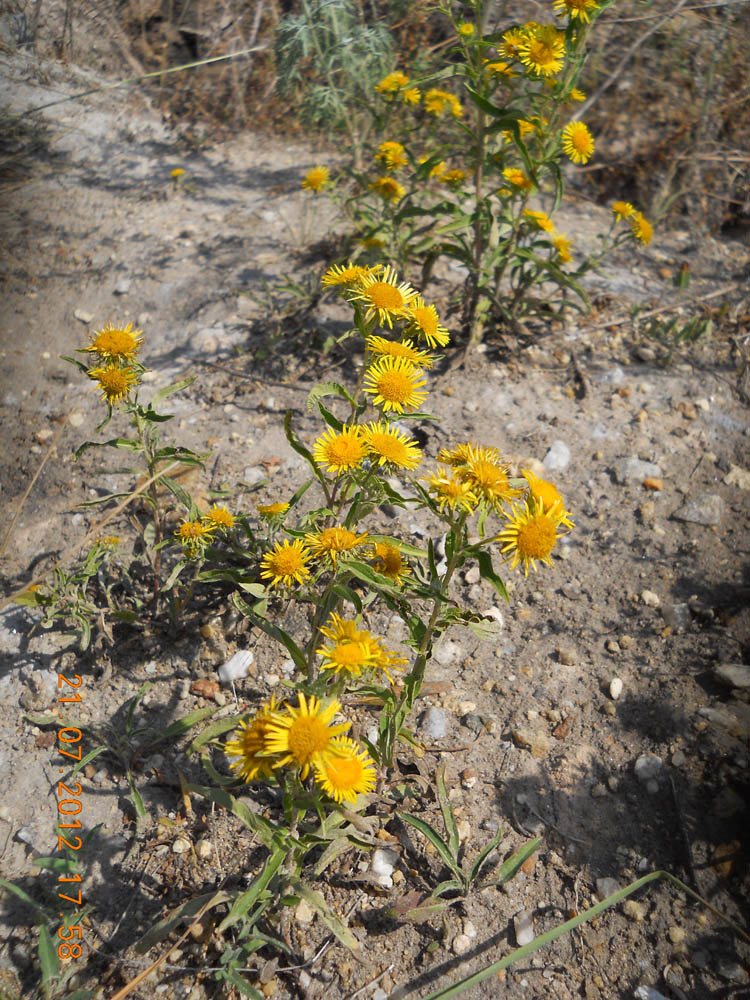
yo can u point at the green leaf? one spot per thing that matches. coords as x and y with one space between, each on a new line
328 389
244 903
48 959
215 730
437 842
40 911
487 572
448 818
170 390
140 809
330 419
266 831
509 868
476 868
181 726
274 631
329 918
182 912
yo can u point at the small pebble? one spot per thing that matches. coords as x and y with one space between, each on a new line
236 667
606 886
676 935
181 846
648 993
204 849
650 598
566 656
469 929
615 688
634 910
598 791
383 861
469 778
648 766
461 944
434 723
304 913
523 927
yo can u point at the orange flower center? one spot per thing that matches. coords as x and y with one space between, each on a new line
385 296
537 538
343 772
286 563
395 386
307 736
426 319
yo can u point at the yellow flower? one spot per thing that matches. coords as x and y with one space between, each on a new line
392 154
466 30
425 322
546 495
346 771
577 142
286 563
344 274
115 343
562 244
500 68
383 295
530 535
540 219
374 655
303 735
512 41
330 543
219 517
641 228
400 349
453 177
391 445
488 478
389 562
517 178
436 101
460 455
273 509
194 535
412 95
388 188
395 384
249 746
451 492
341 451
575 8
176 173
622 210
392 83
348 656
316 179
543 50
438 170
577 95
115 382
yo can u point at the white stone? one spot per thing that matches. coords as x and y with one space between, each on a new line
648 766
304 914
461 944
383 861
83 316
523 926
237 667
615 688
557 458
181 846
650 598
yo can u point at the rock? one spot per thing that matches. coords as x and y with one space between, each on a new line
650 598
237 667
469 778
676 616
383 861
253 474
679 759
732 971
461 944
83 316
473 722
734 675
304 913
676 934
737 476
613 376
434 723
566 656
635 470
648 993
645 354
557 458
615 688
648 767
494 612
735 718
523 927
634 910
536 741
472 575
599 791
606 886
123 286
181 846
613 646
204 849
706 508
469 929
448 653
463 828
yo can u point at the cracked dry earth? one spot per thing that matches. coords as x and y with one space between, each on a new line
610 713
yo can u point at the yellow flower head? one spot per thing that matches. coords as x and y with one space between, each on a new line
330 543
622 210
530 535
437 101
346 771
387 444
460 455
115 382
578 142
500 68
400 349
341 451
286 563
219 517
303 735
270 510
453 178
512 41
392 154
575 8
344 274
488 478
195 535
348 656
115 343
438 170
383 296
467 29
395 384
562 244
388 188
543 50
577 95
540 219
249 746
176 173
517 178
546 495
424 322
450 492
641 228
392 83
411 95
389 562
316 179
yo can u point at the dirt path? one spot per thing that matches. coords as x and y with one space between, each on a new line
651 588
